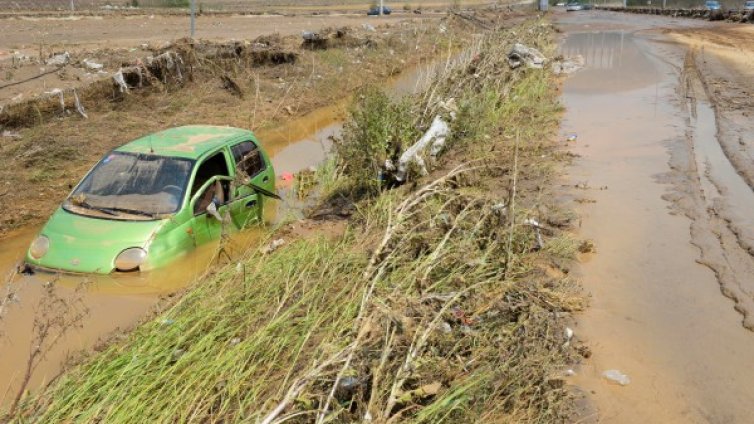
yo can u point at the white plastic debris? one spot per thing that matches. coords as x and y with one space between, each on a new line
92 65
59 59
568 336
57 92
568 333
435 138
120 81
568 65
531 57
572 137
273 246
531 221
569 373
79 106
10 134
368 27
616 377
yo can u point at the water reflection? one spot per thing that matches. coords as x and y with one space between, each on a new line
613 62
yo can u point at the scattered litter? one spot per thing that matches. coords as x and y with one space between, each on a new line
166 321
434 137
273 246
57 92
572 137
568 65
533 223
368 27
91 65
286 176
568 336
120 81
11 134
235 340
445 327
79 106
568 333
422 392
617 377
520 54
347 387
569 373
59 59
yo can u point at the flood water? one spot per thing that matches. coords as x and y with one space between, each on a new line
117 303
656 313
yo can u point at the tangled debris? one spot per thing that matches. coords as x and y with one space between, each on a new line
172 65
531 57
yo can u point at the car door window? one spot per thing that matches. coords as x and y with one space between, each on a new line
214 166
248 159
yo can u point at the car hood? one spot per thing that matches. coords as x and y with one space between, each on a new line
89 245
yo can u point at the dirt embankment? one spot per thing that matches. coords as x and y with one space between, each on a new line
250 84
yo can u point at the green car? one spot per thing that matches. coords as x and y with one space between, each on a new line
156 198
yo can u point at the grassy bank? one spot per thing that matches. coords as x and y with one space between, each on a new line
443 300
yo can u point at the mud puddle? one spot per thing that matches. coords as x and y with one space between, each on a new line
118 302
657 314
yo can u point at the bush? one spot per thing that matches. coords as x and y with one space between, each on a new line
378 130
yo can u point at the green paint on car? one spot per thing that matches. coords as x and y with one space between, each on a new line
156 198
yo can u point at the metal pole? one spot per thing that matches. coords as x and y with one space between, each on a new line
193 18
73 9
382 6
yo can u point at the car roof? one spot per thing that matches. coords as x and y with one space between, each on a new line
191 141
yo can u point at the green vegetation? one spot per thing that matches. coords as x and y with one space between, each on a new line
438 302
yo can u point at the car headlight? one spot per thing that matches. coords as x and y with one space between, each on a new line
130 259
39 247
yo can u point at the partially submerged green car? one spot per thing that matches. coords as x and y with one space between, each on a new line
156 198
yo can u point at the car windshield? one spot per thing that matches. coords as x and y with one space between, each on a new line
123 183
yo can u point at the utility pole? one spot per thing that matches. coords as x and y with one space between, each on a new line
73 9
193 18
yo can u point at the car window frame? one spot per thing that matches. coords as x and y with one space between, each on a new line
256 148
231 172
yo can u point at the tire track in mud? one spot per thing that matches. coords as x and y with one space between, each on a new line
718 230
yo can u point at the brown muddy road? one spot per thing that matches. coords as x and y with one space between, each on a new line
672 279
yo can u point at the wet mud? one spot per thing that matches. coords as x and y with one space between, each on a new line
668 219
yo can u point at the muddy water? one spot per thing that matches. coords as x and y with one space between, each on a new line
657 314
117 303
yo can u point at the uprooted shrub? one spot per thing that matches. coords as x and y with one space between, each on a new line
378 130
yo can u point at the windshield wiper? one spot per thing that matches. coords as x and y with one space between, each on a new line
131 212
86 205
